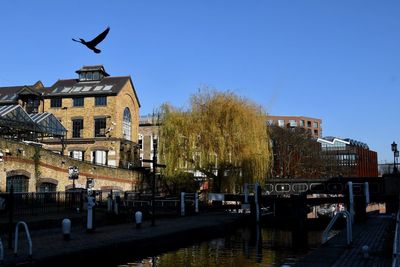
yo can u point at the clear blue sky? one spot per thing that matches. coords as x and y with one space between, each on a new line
334 60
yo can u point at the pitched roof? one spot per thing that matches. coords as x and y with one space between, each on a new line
74 87
9 94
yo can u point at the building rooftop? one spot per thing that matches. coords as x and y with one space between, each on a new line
348 141
9 94
74 87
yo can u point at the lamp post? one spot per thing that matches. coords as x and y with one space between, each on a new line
395 156
153 183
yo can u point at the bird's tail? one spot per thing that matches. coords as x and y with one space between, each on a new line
96 50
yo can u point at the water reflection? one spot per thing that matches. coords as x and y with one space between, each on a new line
250 246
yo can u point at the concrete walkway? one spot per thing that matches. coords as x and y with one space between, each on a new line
376 233
111 243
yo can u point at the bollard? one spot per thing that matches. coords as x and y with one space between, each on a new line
90 206
109 203
138 219
66 228
365 251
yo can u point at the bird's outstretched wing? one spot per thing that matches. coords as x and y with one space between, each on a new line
99 38
76 40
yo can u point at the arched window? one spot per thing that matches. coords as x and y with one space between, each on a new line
47 187
19 182
126 124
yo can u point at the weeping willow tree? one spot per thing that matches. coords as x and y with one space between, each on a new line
222 136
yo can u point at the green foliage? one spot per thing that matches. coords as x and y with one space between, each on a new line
221 135
36 160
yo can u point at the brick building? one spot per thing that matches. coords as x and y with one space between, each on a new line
100 114
348 157
30 168
312 125
148 134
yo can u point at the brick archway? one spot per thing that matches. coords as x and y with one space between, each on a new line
18 173
48 180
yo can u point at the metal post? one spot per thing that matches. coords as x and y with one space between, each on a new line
256 199
153 186
351 200
10 205
246 193
109 203
366 191
182 203
196 202
1 252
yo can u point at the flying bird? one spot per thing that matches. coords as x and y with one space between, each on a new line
92 44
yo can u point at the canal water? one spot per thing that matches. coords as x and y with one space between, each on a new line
246 247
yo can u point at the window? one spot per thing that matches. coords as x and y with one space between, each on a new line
47 187
315 132
315 124
126 124
308 123
155 144
32 105
56 102
301 123
100 101
270 122
292 123
99 157
100 127
19 183
281 123
77 128
96 76
78 101
76 154
90 76
140 141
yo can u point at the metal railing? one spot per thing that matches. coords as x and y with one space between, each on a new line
396 244
38 203
165 204
1 251
349 227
